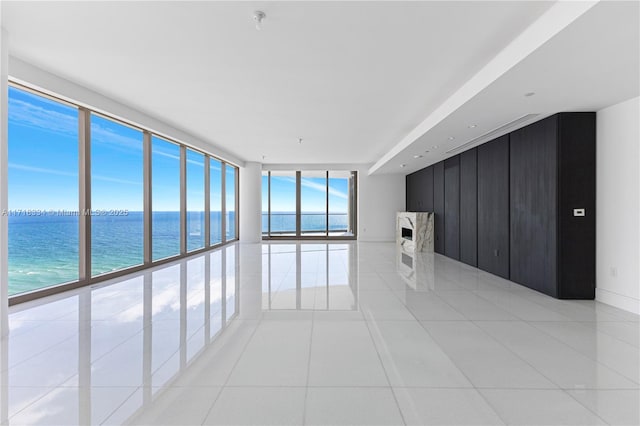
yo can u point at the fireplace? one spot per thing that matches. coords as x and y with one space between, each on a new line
407 234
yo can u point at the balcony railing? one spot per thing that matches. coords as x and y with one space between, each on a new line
285 223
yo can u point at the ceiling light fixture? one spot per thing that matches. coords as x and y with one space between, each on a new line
299 140
417 156
436 146
258 17
528 94
473 126
451 138
403 165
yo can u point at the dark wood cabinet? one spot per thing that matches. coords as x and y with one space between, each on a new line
553 173
493 206
438 206
533 205
419 190
452 207
521 206
469 207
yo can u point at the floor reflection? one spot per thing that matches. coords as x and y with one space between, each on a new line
105 352
310 277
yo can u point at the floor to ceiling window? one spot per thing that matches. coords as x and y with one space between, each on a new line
215 200
195 200
309 204
230 201
43 192
117 226
313 203
165 165
92 197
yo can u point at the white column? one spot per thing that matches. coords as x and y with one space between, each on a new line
4 199
251 202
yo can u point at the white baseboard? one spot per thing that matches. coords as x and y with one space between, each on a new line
619 301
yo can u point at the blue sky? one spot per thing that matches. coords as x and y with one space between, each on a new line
43 162
313 194
43 166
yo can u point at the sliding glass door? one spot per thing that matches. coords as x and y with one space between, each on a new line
309 204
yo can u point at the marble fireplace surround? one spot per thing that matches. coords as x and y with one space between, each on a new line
418 231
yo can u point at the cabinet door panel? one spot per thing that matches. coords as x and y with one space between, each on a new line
493 206
469 207
438 206
452 207
533 182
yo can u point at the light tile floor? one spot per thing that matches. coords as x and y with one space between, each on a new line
318 333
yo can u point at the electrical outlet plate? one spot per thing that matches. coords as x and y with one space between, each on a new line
578 212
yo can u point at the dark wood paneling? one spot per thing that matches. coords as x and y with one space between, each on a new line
469 207
577 190
410 195
419 190
493 206
533 178
438 206
426 187
452 207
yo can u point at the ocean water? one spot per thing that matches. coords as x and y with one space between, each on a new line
43 250
285 222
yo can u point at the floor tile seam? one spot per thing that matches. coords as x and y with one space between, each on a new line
635 381
386 374
504 346
533 366
515 294
235 364
106 419
10 367
51 389
610 334
306 390
564 391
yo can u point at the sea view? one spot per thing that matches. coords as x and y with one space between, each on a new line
43 250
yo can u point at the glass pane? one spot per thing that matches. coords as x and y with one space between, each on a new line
43 192
195 200
313 203
265 203
116 189
215 200
339 203
230 282
230 201
165 164
283 203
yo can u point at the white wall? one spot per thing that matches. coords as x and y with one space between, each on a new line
250 202
617 206
379 198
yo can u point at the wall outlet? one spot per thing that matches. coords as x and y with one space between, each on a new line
496 253
613 271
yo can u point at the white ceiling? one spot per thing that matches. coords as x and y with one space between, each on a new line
351 78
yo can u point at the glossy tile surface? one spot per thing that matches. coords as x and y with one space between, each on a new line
318 333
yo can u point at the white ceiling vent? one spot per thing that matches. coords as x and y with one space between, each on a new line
497 131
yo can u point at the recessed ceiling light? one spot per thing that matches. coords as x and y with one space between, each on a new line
417 156
473 126
529 94
451 138
426 151
436 146
403 165
264 156
299 140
